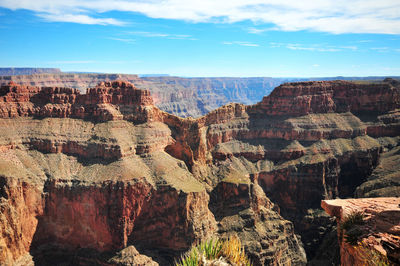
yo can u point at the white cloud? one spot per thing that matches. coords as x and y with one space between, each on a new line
81 19
72 62
380 49
351 47
242 43
162 35
82 62
333 16
312 47
122 40
256 31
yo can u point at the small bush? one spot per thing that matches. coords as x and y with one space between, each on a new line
211 248
233 252
353 235
350 226
230 251
354 218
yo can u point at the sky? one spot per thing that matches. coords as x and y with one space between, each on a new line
240 38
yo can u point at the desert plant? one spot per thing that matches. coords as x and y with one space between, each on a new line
352 235
354 218
211 249
233 252
229 250
350 226
191 258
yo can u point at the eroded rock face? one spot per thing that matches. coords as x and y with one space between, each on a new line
101 103
244 210
107 169
183 97
21 203
380 231
326 97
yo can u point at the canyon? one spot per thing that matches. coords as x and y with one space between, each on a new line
180 96
106 177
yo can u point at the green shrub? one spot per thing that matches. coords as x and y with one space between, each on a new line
211 248
352 235
350 226
230 251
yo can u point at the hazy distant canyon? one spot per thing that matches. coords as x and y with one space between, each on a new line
176 95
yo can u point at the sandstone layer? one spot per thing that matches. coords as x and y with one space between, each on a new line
106 170
380 232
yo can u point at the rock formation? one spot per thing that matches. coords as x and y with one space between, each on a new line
183 97
379 237
180 96
107 170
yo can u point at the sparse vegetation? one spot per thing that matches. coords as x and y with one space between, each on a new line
210 251
352 236
350 226
371 257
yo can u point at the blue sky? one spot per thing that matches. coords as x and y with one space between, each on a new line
204 38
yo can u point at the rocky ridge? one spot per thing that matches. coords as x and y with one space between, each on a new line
107 169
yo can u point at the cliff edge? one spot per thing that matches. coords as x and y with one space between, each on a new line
375 238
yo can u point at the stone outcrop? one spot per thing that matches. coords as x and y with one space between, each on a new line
106 170
379 239
327 97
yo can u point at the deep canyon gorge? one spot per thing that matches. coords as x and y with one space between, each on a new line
107 178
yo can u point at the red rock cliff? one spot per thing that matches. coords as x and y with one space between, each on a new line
101 103
330 96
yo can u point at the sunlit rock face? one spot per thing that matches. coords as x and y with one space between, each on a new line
89 178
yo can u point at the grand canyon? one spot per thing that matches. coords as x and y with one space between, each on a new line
125 170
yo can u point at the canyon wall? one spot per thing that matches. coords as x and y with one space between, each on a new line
109 172
183 97
180 96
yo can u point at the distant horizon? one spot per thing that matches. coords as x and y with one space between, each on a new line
181 76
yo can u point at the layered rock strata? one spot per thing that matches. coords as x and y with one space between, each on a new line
179 96
107 169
